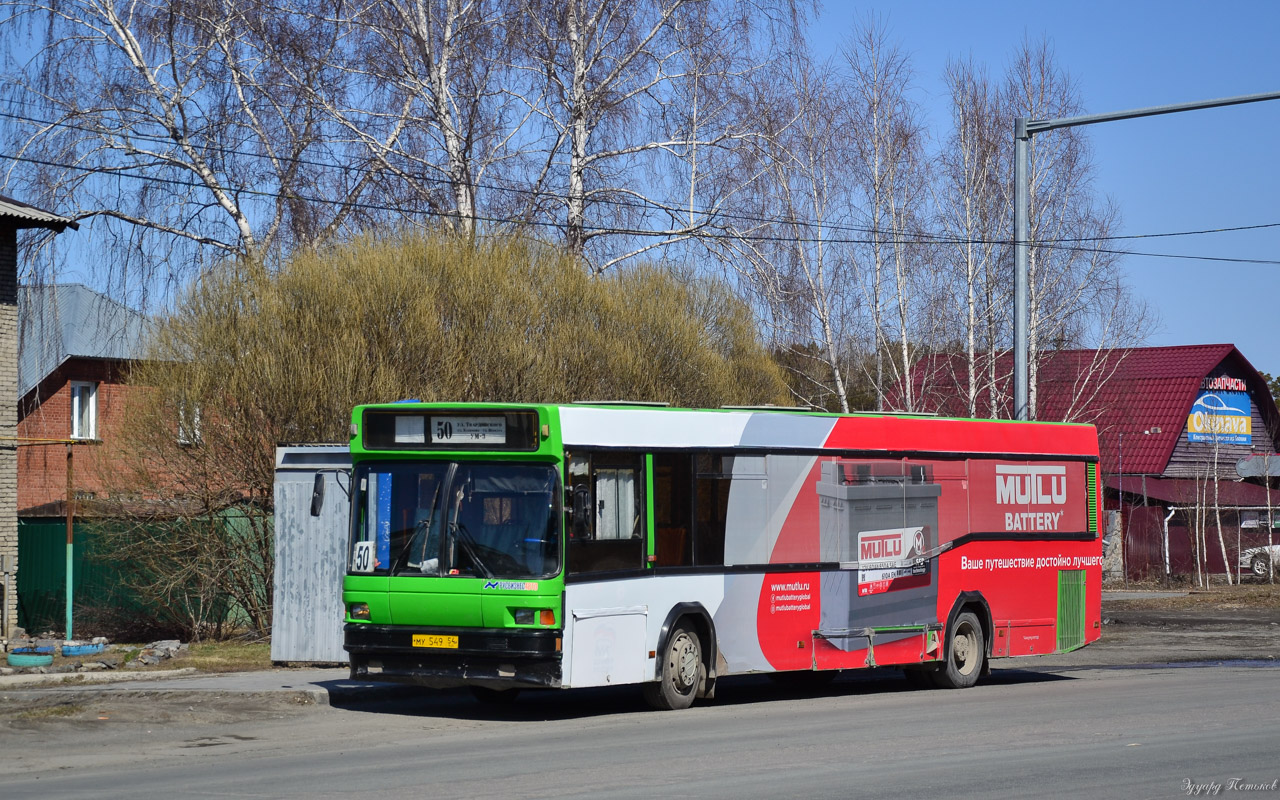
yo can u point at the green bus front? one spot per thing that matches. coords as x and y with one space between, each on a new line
455 567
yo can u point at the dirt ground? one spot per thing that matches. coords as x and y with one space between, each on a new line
27 710
1142 626
1251 593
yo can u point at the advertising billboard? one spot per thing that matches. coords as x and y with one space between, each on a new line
1222 417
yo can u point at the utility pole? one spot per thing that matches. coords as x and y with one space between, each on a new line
1023 130
71 516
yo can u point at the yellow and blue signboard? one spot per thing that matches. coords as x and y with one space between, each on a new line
1221 417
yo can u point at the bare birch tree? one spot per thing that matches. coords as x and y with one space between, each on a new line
618 75
1216 429
1078 298
677 129
973 211
785 249
441 113
179 125
890 173
1271 524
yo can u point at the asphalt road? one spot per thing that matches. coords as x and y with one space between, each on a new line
1070 731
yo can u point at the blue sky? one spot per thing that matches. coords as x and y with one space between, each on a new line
1198 170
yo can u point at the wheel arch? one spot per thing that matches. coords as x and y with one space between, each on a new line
975 602
703 626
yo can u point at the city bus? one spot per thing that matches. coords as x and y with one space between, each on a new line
510 547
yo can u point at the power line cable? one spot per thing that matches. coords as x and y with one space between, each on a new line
446 182
639 232
927 237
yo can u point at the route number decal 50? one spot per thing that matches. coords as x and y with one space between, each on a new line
363 560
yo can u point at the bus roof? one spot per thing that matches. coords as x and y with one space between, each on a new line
649 427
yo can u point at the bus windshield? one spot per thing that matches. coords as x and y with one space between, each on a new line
464 519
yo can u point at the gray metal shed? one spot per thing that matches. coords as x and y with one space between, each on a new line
311 554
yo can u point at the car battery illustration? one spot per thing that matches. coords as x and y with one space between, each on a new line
879 521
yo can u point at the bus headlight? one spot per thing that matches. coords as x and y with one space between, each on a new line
523 616
358 611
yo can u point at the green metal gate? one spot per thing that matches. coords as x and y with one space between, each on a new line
42 576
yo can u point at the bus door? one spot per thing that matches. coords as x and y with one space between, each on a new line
606 618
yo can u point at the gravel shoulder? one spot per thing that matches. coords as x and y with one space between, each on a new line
1177 627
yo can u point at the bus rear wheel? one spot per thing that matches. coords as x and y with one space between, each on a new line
682 673
964 656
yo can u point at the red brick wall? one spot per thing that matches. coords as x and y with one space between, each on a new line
42 467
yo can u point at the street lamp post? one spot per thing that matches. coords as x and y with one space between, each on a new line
1023 130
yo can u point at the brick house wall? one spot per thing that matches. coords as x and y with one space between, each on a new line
46 415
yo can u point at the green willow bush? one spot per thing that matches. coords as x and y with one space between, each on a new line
251 358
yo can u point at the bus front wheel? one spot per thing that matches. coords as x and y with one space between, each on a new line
964 656
682 673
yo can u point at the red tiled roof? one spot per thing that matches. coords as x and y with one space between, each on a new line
1144 393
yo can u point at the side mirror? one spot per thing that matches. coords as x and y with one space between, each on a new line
581 512
317 495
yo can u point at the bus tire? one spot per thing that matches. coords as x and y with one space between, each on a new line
964 656
682 674
494 697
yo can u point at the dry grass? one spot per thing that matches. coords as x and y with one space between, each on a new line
227 657
50 712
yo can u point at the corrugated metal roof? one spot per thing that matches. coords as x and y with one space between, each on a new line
28 216
72 321
1143 392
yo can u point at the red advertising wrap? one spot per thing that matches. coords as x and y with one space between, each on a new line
880 529
1028 497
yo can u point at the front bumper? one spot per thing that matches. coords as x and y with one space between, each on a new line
499 658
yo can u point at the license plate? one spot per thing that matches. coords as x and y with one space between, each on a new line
432 640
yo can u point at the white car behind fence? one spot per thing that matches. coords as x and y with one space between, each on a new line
1259 560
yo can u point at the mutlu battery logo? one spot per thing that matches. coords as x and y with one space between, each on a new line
891 547
880 547
1030 486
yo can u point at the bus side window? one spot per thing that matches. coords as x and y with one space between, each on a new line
673 509
607 530
713 481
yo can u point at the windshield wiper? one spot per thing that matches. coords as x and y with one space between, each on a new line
408 544
463 537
